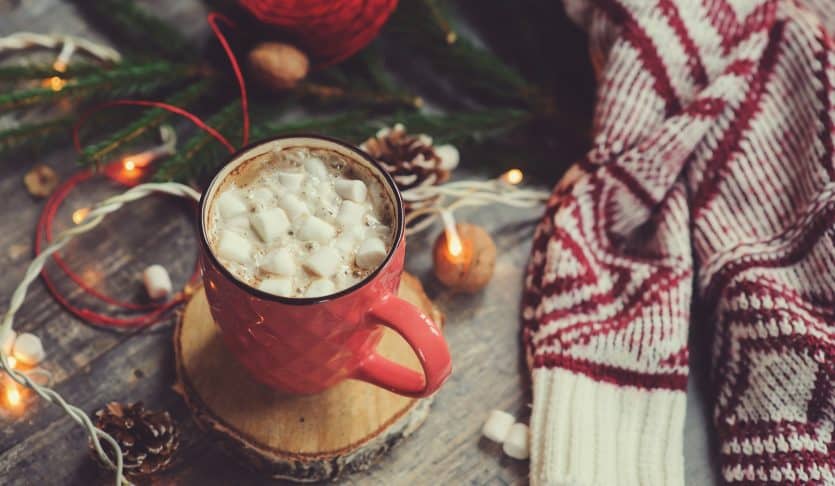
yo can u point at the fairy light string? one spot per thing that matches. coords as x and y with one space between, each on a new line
464 193
86 222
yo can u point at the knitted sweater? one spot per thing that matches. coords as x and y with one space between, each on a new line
707 201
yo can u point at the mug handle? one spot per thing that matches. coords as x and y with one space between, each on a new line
426 340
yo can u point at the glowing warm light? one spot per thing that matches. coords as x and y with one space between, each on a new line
513 176
13 396
60 66
129 164
12 361
453 243
79 214
55 83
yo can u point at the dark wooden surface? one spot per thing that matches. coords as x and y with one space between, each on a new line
92 366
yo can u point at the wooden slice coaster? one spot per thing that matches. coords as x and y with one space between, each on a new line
303 438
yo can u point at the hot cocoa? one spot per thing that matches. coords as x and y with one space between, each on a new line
300 222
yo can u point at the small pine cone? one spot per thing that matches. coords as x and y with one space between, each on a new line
412 160
148 439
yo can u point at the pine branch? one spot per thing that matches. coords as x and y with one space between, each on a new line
44 133
28 72
462 128
435 12
457 128
122 80
99 152
425 19
33 138
335 94
137 30
200 153
482 73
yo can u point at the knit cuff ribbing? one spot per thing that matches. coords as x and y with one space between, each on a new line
590 433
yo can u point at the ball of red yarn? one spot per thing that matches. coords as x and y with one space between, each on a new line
328 31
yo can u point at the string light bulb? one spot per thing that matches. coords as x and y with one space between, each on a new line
129 164
79 214
12 395
55 83
513 177
454 245
59 66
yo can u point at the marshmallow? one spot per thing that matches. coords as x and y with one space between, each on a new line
350 214
260 197
326 211
316 168
291 180
516 443
234 247
449 156
371 253
277 286
315 229
230 205
28 349
345 243
293 206
497 425
323 262
238 222
157 282
319 288
280 262
7 342
270 224
353 190
349 238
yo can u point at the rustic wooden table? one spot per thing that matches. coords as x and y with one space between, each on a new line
40 445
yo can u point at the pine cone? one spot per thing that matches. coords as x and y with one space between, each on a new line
148 439
412 160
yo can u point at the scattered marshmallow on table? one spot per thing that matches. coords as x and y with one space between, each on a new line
277 286
234 247
498 425
229 204
352 190
157 282
7 341
316 168
449 156
291 180
270 224
371 253
280 262
316 229
28 349
320 287
516 443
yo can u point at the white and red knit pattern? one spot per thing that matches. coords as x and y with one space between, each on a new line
707 200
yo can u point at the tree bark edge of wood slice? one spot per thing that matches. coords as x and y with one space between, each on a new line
346 428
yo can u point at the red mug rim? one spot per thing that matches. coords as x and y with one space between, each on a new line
207 249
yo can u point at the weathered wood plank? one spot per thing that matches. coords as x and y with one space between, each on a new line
93 366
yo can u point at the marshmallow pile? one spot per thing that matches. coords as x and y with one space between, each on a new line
307 224
503 428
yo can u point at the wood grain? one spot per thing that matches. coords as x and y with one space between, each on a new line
346 428
92 366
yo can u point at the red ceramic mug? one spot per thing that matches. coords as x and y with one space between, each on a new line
305 345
